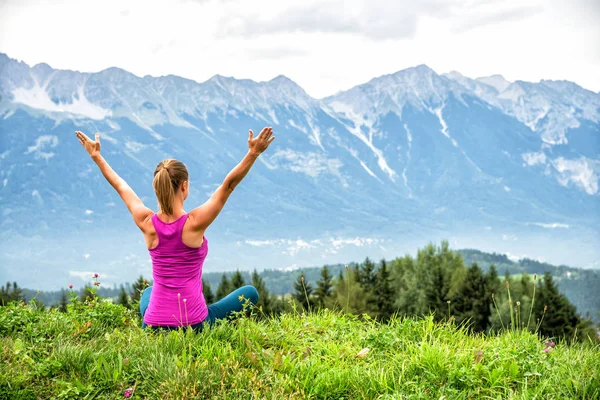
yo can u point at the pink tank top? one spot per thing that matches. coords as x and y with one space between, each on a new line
176 298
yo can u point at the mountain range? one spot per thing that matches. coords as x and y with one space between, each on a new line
378 170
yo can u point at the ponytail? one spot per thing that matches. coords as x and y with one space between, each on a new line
168 176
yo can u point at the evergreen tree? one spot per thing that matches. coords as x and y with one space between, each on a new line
436 292
348 294
493 281
64 301
237 280
303 291
367 275
224 287
137 289
384 293
560 317
16 294
472 303
123 298
324 288
4 294
209 297
264 299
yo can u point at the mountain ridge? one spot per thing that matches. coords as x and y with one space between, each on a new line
411 157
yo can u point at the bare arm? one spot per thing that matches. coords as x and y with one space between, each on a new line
136 207
202 216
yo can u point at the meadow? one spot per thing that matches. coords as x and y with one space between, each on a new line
97 350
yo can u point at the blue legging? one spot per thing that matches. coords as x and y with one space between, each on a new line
223 308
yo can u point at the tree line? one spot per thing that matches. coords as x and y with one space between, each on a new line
436 281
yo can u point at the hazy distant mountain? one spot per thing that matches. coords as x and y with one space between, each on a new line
377 170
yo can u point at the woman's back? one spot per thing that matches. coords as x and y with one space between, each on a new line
177 297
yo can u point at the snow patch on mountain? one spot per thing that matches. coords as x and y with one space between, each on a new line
42 143
408 156
311 163
583 173
356 128
496 81
534 158
37 97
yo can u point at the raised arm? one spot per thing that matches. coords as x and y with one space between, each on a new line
138 210
202 216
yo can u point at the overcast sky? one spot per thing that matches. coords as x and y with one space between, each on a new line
325 46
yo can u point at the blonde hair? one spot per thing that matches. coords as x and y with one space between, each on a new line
168 176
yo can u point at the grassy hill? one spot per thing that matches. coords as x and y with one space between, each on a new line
99 351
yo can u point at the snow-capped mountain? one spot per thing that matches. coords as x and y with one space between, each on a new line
377 170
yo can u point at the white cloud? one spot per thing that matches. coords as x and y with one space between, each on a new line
350 41
88 212
551 226
83 275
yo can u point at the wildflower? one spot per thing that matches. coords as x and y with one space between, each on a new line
547 350
95 275
126 361
71 286
518 303
550 343
448 302
128 392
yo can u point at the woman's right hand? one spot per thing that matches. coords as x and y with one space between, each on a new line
258 144
92 147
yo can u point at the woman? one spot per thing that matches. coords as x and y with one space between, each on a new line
176 241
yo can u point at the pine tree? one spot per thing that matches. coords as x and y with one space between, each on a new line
64 301
560 317
367 275
123 298
494 285
237 280
137 289
348 294
436 292
16 294
324 288
472 303
264 298
4 294
224 287
209 297
384 293
303 291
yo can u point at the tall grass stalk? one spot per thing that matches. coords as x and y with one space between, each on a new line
498 311
305 294
532 300
347 288
510 308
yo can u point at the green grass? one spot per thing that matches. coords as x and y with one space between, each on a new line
57 355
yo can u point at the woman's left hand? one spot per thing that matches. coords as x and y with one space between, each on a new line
92 147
